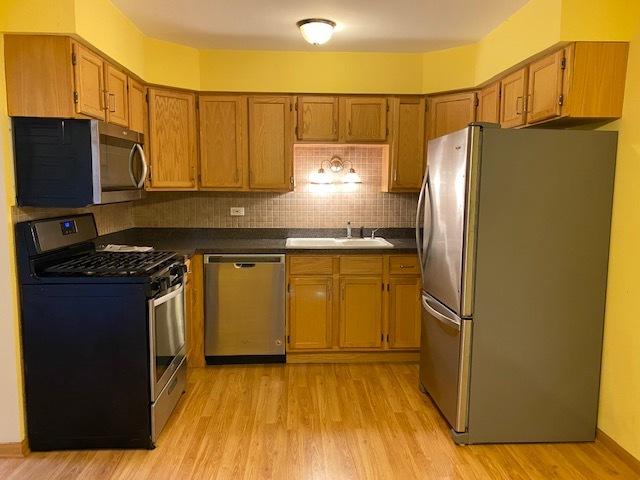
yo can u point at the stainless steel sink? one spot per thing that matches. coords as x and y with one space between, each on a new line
322 243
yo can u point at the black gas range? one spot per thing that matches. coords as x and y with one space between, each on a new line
103 337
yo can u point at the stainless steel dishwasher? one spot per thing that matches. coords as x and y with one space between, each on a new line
244 308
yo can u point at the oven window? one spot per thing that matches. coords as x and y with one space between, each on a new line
169 332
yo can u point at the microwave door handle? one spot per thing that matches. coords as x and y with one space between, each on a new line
131 176
145 165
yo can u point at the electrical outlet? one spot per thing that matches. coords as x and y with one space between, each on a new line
237 211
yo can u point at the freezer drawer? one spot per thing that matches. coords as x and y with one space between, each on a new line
244 305
444 360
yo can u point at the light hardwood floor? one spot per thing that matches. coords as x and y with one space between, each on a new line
332 422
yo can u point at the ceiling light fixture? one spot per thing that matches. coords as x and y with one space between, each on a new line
316 31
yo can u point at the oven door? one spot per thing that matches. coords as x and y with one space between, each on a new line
166 336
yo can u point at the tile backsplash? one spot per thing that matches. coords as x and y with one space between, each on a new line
309 205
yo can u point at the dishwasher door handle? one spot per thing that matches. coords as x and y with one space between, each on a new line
243 261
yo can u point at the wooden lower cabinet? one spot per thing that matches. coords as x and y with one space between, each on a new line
404 311
360 312
352 304
310 312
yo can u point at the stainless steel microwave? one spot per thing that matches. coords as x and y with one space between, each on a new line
75 163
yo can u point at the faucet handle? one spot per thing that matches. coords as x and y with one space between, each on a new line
373 232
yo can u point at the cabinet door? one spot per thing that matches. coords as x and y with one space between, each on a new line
365 119
512 101
136 106
88 71
317 119
117 96
270 143
448 113
545 88
172 132
489 104
360 312
223 141
406 165
404 312
310 310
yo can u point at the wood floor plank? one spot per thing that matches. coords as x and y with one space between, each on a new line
297 421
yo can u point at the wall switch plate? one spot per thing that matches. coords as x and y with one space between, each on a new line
237 211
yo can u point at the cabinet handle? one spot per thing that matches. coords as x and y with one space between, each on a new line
407 266
529 102
342 293
112 95
103 106
519 101
395 174
236 176
335 126
349 129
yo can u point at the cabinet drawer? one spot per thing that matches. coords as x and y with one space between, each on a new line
404 265
310 265
361 265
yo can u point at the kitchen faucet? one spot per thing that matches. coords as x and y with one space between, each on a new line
348 229
373 233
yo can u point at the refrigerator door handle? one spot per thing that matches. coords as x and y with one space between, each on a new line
418 225
422 248
451 322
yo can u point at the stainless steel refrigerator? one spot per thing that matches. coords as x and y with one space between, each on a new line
513 239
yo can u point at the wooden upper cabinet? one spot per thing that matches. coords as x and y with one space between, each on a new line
223 141
360 312
117 101
317 118
172 140
404 311
406 156
310 312
270 143
489 104
450 112
88 69
39 76
513 99
363 119
545 88
594 79
137 106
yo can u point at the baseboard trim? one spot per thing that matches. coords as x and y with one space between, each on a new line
632 462
14 450
353 357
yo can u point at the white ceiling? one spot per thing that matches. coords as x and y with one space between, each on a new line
362 25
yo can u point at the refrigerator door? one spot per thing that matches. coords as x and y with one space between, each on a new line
448 220
445 359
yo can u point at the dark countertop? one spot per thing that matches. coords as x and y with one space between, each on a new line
188 241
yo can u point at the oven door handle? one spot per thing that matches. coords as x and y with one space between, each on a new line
168 296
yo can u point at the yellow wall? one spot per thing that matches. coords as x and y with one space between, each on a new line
339 72
532 29
11 396
620 389
539 25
